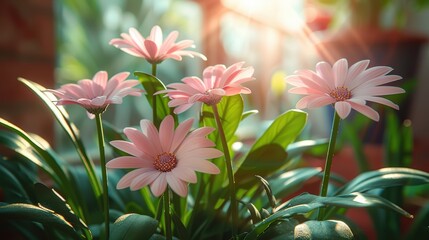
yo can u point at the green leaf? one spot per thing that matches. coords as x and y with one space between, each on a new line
280 215
50 199
284 130
19 145
230 110
355 199
268 154
180 228
133 226
152 85
12 189
305 203
280 230
248 114
289 181
44 151
269 192
383 178
70 129
297 148
28 212
254 213
59 172
262 161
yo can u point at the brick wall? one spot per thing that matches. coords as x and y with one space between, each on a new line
27 49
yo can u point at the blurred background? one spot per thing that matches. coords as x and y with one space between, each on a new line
56 42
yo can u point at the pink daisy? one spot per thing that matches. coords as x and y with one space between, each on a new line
153 48
345 87
166 157
218 81
97 94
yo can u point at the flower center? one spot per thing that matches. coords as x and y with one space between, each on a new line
210 98
340 94
164 162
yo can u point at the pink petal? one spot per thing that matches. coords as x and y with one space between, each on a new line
185 88
159 185
129 177
178 101
179 135
169 42
90 115
305 90
152 50
203 153
99 101
343 109
303 102
86 86
356 69
201 132
195 83
369 74
184 173
340 70
166 133
177 185
379 81
137 38
365 110
310 83
320 83
197 98
203 166
144 179
295 80
126 147
152 134
324 70
378 91
141 142
182 108
192 143
100 78
383 101
156 35
129 162
320 101
218 91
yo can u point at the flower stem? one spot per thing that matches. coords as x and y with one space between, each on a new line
234 203
103 173
167 216
154 111
328 162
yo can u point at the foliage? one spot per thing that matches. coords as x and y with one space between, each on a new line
46 197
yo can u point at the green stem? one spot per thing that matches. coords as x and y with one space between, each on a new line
167 216
234 204
104 173
328 162
154 105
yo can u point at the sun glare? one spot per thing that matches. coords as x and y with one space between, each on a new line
286 15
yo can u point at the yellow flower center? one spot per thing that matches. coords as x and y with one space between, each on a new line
340 94
164 162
